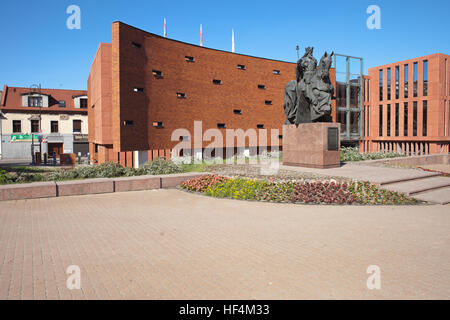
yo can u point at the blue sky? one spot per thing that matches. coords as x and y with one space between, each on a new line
37 47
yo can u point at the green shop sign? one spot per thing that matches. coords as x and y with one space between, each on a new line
23 137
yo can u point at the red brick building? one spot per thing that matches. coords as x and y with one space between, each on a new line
143 86
407 106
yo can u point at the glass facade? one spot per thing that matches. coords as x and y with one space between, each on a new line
425 78
415 79
388 121
405 77
381 85
397 107
397 84
380 121
350 96
415 118
425 118
405 119
389 83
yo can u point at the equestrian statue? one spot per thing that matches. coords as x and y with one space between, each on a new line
308 98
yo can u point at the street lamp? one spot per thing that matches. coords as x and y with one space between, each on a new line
37 88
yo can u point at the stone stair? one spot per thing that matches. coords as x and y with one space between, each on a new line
434 188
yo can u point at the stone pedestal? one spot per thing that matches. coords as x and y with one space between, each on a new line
312 145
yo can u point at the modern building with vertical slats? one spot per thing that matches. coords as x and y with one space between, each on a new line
407 107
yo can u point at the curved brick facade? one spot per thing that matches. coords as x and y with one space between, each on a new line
134 83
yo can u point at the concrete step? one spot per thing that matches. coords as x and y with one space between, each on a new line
407 175
440 196
412 187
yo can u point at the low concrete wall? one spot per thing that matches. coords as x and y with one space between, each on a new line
28 191
137 183
413 161
88 186
91 186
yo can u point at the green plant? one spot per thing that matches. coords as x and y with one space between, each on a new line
29 177
237 188
62 174
160 166
317 192
353 154
4 177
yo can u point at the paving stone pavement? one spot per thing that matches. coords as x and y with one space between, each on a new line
169 244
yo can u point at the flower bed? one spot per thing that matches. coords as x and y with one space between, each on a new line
313 192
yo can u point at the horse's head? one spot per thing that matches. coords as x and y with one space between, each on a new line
325 64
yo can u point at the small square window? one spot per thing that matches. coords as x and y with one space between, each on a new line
157 74
158 124
138 89
189 59
221 125
62 103
54 126
268 102
76 126
83 103
181 95
34 126
261 86
136 45
260 126
128 123
280 136
276 72
17 126
216 81
237 111
241 67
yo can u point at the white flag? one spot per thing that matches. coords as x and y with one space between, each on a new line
232 40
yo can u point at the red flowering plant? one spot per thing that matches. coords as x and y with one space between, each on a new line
323 192
202 183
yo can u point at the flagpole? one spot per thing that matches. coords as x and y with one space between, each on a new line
232 40
201 36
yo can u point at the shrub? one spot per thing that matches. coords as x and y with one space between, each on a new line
104 170
62 175
28 177
160 166
86 172
353 154
5 177
202 183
